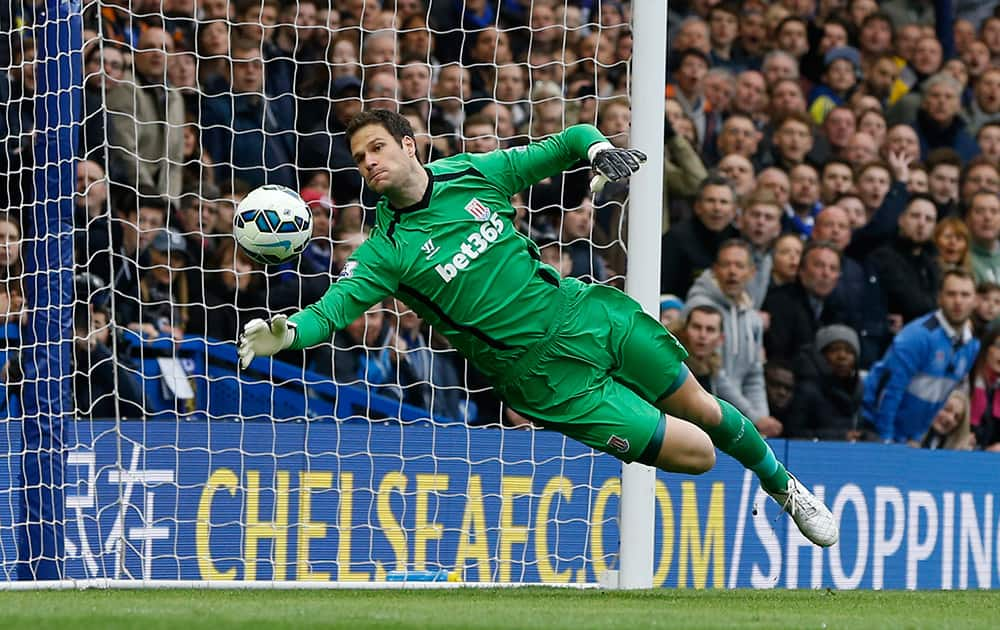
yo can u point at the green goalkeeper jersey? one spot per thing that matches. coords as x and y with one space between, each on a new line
456 258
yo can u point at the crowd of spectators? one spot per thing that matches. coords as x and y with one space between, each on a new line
835 271
831 219
190 104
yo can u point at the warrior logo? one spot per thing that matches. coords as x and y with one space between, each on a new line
429 249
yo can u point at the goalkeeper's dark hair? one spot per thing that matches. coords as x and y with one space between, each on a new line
397 126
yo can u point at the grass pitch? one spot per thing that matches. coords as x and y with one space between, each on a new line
535 608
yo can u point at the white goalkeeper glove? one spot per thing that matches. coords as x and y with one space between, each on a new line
263 339
612 164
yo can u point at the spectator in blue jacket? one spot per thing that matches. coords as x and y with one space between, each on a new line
249 134
927 359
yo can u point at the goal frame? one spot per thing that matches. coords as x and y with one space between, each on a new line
58 114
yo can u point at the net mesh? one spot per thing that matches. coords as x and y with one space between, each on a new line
382 450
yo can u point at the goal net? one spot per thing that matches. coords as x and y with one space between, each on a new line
138 450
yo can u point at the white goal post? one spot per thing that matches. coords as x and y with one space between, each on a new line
649 55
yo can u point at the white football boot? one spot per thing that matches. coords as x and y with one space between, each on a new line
813 518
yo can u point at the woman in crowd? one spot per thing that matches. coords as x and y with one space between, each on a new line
950 427
951 238
10 248
199 168
787 253
984 406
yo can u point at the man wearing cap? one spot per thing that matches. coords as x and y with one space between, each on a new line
164 284
827 404
843 67
670 309
927 359
320 247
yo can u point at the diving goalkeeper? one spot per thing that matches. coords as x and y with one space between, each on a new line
584 360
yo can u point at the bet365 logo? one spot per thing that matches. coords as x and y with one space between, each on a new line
475 244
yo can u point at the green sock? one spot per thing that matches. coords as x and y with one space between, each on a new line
737 437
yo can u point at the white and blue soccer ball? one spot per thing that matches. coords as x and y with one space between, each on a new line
272 224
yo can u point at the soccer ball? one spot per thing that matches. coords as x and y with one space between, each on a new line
272 224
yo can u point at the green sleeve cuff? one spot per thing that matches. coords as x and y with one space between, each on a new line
310 329
579 138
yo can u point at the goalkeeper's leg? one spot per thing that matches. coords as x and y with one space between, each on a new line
650 360
734 434
730 431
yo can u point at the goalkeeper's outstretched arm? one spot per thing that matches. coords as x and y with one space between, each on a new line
368 277
514 170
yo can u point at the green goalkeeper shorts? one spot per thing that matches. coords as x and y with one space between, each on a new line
599 372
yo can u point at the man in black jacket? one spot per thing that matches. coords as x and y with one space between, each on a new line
907 267
799 309
883 188
857 287
97 392
690 247
944 167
